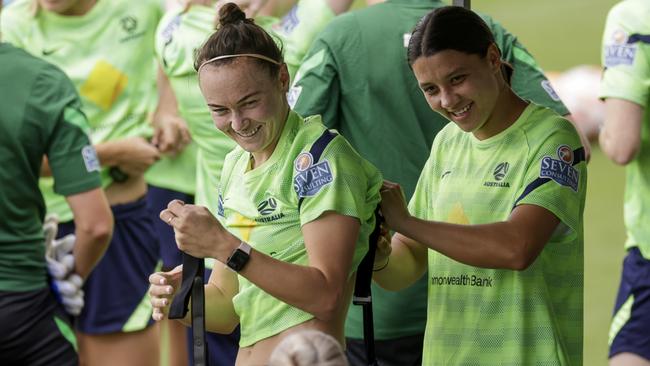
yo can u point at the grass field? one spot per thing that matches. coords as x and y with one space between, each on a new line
561 34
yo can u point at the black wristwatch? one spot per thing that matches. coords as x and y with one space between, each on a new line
239 257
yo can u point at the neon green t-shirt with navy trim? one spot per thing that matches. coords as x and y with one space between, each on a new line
343 76
626 58
108 53
260 207
496 316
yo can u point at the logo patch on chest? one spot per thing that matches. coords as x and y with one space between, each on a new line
499 173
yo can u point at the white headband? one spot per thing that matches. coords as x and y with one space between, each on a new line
255 55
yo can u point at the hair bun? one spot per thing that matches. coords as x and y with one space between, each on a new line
230 13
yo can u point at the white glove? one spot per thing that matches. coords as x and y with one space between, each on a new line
59 257
66 285
69 293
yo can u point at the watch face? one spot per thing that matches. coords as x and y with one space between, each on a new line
238 260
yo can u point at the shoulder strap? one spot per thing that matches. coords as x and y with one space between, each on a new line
362 293
362 290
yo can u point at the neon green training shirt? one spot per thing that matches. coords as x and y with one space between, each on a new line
479 316
260 207
626 57
369 94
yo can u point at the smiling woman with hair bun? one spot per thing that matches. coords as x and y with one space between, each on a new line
295 203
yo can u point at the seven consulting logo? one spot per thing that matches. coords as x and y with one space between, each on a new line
561 170
619 51
311 177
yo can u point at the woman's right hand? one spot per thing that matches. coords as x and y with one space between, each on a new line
393 205
163 287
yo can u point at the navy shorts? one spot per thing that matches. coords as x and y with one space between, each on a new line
116 292
222 348
630 329
35 330
404 351
157 200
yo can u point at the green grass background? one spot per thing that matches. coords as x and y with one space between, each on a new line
561 34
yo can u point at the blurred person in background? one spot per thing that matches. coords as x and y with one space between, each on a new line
578 89
40 115
625 139
107 49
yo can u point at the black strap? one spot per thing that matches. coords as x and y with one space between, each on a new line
192 287
317 150
362 291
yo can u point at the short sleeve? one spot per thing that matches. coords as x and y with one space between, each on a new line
340 181
556 176
316 89
626 55
72 158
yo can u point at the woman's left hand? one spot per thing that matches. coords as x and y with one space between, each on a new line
393 205
197 232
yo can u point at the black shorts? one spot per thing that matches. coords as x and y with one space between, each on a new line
35 330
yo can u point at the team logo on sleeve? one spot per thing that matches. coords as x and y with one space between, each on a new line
90 158
546 85
169 30
561 170
303 161
220 211
288 23
619 51
293 94
311 177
